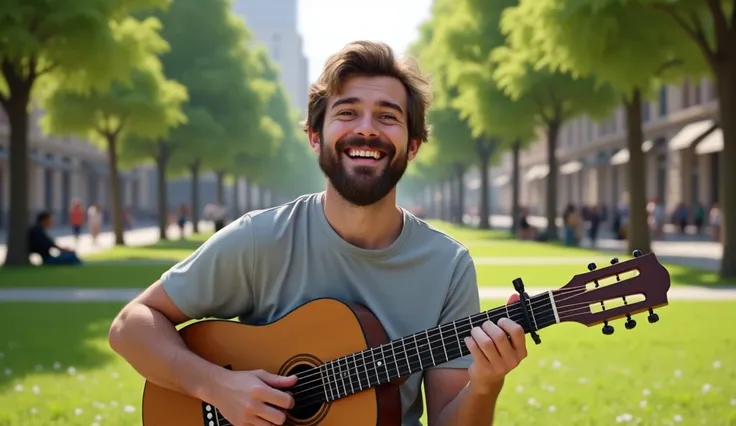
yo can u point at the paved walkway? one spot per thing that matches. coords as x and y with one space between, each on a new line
126 294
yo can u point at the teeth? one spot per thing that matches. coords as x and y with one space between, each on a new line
364 153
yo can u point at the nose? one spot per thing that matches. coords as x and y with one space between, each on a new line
366 127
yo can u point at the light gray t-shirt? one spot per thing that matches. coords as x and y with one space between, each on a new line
269 262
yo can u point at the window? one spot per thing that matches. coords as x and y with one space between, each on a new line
663 101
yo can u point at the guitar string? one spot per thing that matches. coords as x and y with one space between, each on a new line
346 381
318 391
513 309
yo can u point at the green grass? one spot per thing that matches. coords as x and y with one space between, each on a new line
63 373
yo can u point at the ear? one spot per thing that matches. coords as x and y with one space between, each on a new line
314 140
413 148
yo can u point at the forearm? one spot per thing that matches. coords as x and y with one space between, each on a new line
150 343
471 408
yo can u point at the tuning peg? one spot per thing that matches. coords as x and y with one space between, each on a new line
637 253
591 266
608 329
614 261
652 317
630 323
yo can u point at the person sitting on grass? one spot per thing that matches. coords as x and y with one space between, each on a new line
41 243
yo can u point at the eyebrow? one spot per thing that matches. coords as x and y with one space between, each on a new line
354 100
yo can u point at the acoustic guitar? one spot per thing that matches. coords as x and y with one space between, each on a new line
348 371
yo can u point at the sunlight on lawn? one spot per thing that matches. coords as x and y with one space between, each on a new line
56 369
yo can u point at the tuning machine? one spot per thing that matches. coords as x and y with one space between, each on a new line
607 328
653 317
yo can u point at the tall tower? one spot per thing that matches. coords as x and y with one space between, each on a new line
274 23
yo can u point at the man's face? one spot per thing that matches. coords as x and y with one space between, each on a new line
364 149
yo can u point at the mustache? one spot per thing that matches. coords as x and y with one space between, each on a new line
361 142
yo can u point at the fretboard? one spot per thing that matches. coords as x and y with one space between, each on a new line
411 354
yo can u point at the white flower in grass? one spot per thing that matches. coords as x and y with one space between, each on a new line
39 367
8 372
81 377
57 365
678 373
584 408
645 392
677 418
36 389
78 411
98 417
95 424
129 409
18 388
706 388
733 402
542 362
113 403
552 409
643 403
71 370
716 364
532 402
115 375
582 380
520 389
556 364
624 418
33 410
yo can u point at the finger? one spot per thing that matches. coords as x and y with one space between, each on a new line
517 335
275 397
274 380
478 355
485 344
271 415
513 299
258 422
503 344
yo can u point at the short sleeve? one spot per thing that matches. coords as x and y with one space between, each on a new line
462 301
215 280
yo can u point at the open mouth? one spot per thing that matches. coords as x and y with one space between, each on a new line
365 154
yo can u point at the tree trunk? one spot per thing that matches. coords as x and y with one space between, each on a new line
16 108
637 233
515 187
553 132
484 150
726 86
194 170
221 188
460 200
163 211
115 204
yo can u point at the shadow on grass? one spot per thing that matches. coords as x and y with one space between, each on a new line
43 334
186 244
91 275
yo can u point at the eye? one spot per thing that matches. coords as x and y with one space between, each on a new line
345 113
387 116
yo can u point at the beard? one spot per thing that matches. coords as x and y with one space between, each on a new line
365 185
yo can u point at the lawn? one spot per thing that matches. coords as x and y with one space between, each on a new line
56 369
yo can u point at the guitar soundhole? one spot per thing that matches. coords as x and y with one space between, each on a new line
305 412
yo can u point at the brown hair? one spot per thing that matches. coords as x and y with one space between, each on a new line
367 58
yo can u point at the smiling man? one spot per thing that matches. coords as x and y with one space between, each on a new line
366 121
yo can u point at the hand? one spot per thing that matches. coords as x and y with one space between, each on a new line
251 398
496 350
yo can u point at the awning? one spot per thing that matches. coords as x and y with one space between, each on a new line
571 167
622 156
711 143
501 180
685 137
539 171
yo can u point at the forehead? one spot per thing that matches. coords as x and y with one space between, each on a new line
372 90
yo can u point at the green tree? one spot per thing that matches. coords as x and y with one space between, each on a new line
146 105
584 37
557 96
40 42
463 35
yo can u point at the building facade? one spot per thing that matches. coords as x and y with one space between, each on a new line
682 151
64 168
274 23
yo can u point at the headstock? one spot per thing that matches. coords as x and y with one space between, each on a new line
589 298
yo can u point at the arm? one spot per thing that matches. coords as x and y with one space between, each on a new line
212 281
465 391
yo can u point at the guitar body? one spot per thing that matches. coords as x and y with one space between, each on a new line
318 331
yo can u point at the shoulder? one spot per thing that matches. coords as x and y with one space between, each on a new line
438 242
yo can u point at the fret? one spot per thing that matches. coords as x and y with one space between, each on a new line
394 360
326 386
531 313
430 347
444 347
419 354
457 335
375 366
349 375
365 368
342 377
398 358
406 356
385 365
334 379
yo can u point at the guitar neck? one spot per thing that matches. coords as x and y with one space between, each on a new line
429 348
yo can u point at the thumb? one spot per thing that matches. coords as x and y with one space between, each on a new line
513 299
274 380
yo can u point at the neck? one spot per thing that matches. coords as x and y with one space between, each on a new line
371 227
